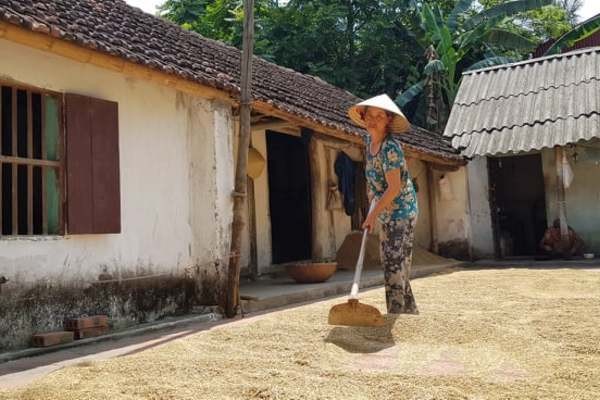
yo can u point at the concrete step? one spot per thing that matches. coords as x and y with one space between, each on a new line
278 292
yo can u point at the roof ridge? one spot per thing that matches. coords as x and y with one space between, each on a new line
574 53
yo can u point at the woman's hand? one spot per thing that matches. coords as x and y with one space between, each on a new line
370 222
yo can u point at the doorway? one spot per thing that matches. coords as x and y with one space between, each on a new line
518 204
289 197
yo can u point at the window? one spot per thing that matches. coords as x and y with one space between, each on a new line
31 162
58 152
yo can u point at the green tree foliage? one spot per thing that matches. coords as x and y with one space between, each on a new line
541 23
466 37
379 46
576 34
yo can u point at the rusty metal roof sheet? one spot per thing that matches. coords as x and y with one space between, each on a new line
528 105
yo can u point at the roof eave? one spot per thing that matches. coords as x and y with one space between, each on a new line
40 38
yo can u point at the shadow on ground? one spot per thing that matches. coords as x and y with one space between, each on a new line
355 339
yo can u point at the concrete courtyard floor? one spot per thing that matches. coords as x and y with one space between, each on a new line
481 334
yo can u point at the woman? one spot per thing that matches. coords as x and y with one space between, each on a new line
389 183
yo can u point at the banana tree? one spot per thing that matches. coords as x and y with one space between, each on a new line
456 38
580 32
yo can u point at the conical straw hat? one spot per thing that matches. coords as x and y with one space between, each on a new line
399 124
256 163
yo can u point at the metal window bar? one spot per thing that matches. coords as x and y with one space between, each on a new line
13 159
29 166
15 178
1 169
43 171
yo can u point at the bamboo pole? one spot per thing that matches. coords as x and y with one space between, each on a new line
232 295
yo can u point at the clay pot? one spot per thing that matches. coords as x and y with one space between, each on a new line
311 272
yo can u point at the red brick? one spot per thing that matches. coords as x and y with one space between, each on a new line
90 332
86 322
51 338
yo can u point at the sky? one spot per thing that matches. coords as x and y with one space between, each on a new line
147 5
589 9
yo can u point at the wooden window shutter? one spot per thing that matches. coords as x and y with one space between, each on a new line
92 165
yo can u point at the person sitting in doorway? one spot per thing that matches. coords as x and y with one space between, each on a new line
553 246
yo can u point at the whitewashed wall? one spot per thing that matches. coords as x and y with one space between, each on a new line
176 177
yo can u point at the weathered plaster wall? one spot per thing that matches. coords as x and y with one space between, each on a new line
482 240
261 198
332 226
453 221
418 170
331 239
582 197
342 223
176 180
261 210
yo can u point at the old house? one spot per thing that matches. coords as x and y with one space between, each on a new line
529 128
117 159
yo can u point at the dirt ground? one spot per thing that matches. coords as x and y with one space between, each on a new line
485 334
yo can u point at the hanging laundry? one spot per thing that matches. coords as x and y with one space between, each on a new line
345 171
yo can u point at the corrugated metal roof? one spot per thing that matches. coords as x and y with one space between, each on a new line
528 105
529 137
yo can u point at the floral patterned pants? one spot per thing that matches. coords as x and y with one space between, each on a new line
396 250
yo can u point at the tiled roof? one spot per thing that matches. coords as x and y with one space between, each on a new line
115 28
528 105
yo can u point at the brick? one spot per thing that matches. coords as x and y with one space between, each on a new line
90 332
52 338
86 322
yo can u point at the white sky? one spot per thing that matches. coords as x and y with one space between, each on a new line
589 9
147 5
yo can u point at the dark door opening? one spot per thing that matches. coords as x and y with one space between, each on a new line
518 203
289 198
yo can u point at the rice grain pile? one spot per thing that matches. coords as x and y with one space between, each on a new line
487 334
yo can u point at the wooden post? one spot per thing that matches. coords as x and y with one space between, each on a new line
1 174
29 167
560 192
331 229
15 185
432 186
317 198
252 230
232 295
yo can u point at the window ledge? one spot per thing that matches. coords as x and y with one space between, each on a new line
31 238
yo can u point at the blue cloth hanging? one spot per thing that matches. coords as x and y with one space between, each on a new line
345 171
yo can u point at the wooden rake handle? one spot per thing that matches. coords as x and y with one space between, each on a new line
361 259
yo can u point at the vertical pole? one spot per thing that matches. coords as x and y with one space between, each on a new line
29 167
43 170
328 177
317 198
1 169
560 192
252 229
431 184
14 166
232 295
